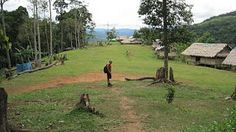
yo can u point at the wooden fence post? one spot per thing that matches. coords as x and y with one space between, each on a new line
3 111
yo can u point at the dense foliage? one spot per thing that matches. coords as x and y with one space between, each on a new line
178 13
73 30
221 29
111 34
148 35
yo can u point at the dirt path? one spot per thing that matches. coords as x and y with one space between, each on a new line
60 81
132 121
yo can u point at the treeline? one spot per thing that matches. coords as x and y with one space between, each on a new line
218 29
24 38
180 34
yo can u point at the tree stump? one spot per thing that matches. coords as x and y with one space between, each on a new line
160 74
171 76
84 104
3 111
84 101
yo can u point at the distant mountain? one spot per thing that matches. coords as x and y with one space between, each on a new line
100 33
222 28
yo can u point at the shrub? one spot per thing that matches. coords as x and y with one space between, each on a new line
170 95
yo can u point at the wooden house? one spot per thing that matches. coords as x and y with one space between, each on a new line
131 41
231 59
207 54
160 51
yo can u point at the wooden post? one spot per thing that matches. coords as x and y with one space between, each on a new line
171 76
3 111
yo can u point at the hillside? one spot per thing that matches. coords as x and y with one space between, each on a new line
100 33
222 28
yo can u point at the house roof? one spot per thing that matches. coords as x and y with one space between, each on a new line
231 58
131 41
205 49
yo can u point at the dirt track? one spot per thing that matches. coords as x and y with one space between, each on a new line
60 81
133 123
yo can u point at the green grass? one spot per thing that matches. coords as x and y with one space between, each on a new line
54 109
141 61
199 99
191 106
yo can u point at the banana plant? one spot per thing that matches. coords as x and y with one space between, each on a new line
24 54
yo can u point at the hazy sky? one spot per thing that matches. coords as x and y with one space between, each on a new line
123 13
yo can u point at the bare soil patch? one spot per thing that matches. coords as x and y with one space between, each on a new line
60 81
132 120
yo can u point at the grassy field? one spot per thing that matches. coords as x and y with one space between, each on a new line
199 99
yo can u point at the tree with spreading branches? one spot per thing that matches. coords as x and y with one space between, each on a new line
165 15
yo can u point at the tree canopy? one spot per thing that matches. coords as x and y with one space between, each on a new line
178 12
75 24
165 15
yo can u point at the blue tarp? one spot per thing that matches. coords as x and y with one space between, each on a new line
23 67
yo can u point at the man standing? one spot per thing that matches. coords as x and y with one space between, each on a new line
109 76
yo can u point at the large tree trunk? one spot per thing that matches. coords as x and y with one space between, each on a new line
76 40
61 38
71 40
166 49
46 37
8 58
50 10
3 111
46 33
141 79
78 37
160 76
38 32
35 37
4 33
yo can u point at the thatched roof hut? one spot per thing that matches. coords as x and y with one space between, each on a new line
207 54
231 58
206 50
131 41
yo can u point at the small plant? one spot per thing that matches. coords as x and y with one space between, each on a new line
170 95
128 53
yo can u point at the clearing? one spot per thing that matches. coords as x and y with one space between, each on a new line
199 99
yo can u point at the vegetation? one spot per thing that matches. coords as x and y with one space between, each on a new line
36 33
192 103
165 15
221 28
198 100
112 34
227 125
148 35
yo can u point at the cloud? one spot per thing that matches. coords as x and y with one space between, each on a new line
203 9
123 13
